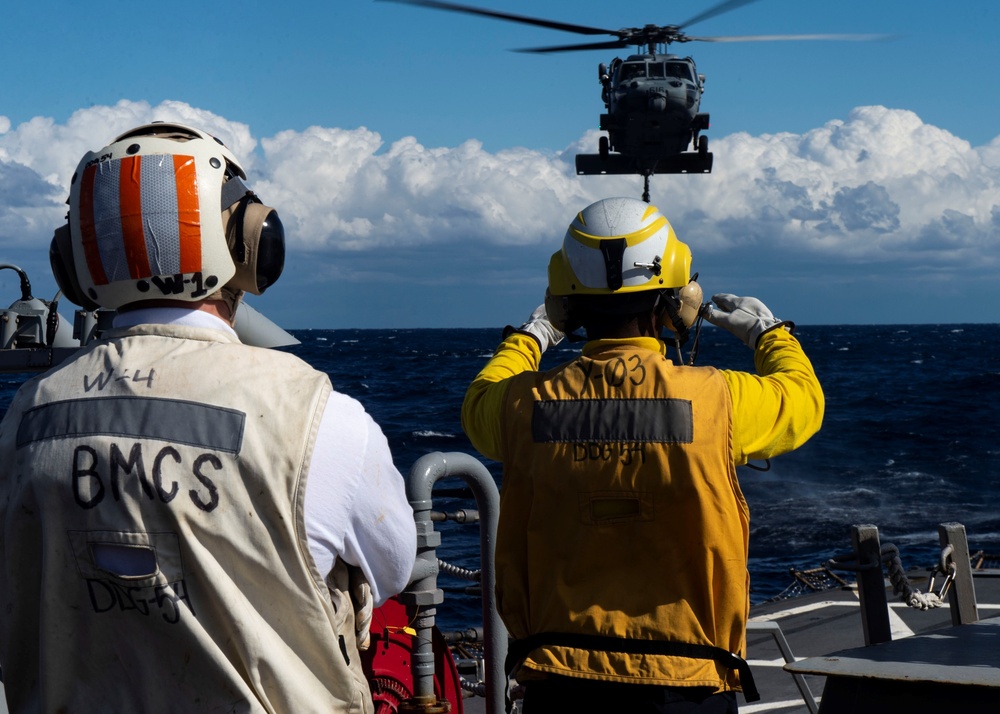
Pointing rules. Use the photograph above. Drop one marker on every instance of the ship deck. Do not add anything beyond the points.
(815, 624)
(820, 623)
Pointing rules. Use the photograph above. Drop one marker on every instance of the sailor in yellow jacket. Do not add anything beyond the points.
(622, 546)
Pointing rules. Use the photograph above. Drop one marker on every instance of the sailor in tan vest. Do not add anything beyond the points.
(185, 517)
(621, 554)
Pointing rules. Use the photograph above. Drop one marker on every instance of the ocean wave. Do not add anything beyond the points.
(431, 434)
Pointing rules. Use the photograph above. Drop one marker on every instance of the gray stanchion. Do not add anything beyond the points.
(423, 592)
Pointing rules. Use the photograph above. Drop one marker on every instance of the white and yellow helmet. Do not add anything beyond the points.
(619, 246)
(150, 217)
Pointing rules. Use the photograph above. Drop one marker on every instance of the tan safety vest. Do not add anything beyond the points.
(154, 552)
(630, 524)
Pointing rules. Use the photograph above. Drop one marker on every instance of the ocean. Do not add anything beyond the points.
(911, 436)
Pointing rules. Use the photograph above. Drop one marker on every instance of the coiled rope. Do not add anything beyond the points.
(889, 556)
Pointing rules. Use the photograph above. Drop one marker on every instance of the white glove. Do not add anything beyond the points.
(539, 327)
(746, 317)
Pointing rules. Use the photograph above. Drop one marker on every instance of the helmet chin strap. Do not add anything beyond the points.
(680, 329)
(231, 298)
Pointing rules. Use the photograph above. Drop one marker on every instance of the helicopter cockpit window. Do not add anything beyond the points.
(655, 71)
(681, 70)
(632, 70)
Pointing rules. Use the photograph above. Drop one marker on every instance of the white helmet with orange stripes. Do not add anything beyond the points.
(162, 213)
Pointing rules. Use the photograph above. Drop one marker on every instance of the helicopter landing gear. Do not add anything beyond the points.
(603, 147)
(645, 187)
(702, 145)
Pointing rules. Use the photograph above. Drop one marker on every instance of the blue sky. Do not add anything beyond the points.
(424, 171)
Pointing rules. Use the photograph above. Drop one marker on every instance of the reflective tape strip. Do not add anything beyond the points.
(160, 232)
(188, 214)
(133, 235)
(664, 421)
(108, 220)
(140, 216)
(170, 420)
(87, 228)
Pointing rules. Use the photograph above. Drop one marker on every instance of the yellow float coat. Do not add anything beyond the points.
(621, 514)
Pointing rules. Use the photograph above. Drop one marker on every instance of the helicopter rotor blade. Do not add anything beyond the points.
(637, 36)
(609, 45)
(779, 38)
(721, 8)
(524, 19)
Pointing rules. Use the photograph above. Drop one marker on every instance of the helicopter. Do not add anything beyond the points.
(652, 99)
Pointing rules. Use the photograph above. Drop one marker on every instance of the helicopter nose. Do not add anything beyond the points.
(657, 103)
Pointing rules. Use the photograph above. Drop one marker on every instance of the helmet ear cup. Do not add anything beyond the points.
(270, 251)
(256, 239)
(691, 296)
(64, 269)
(681, 311)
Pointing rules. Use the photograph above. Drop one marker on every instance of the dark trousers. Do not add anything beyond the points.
(579, 696)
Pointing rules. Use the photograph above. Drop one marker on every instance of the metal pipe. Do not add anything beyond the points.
(423, 591)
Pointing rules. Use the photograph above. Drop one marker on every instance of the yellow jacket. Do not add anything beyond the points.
(621, 514)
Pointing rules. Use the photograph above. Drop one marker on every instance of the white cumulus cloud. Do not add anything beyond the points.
(876, 186)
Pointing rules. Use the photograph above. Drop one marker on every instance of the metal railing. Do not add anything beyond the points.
(423, 593)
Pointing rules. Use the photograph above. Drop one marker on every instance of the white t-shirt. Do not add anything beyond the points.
(355, 503)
